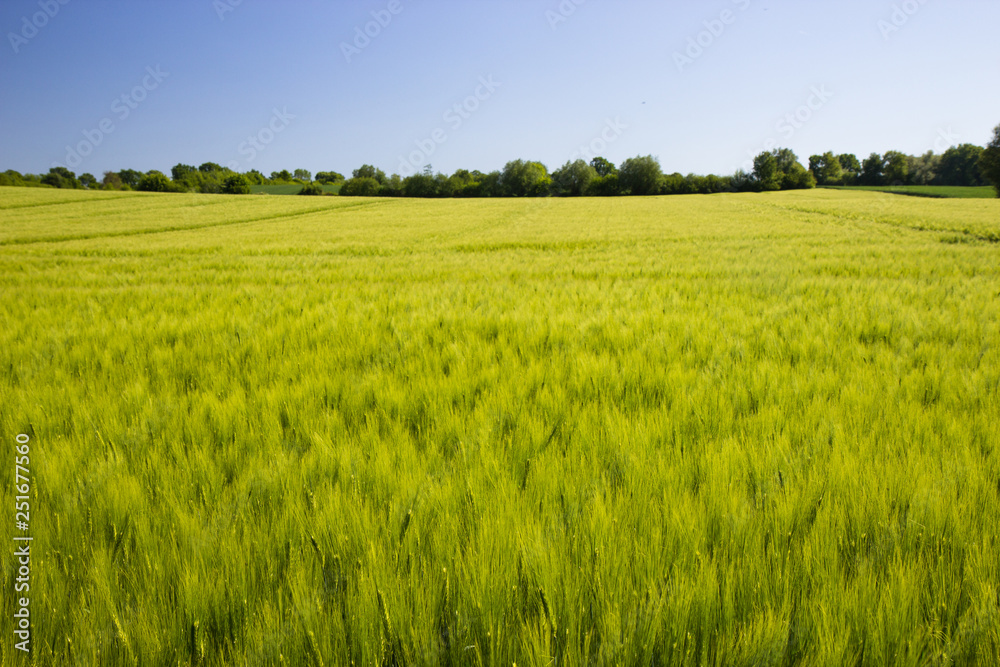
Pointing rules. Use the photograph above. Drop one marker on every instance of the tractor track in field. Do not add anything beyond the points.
(59, 203)
(186, 228)
(894, 223)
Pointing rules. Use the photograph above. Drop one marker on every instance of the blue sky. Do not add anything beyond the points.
(269, 85)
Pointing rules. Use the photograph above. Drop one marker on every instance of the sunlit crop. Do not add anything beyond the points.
(727, 430)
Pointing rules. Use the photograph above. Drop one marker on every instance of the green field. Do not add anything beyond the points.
(724, 430)
(291, 189)
(934, 191)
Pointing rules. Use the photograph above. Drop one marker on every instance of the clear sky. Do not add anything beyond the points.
(270, 85)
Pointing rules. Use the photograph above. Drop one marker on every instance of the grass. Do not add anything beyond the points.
(291, 189)
(728, 430)
(935, 191)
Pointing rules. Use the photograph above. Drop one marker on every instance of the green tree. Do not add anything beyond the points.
(696, 185)
(923, 169)
(88, 180)
(640, 176)
(797, 178)
(54, 180)
(444, 186)
(851, 167)
(392, 187)
(155, 181)
(816, 164)
(327, 177)
(61, 177)
(785, 158)
(236, 184)
(181, 172)
(312, 189)
(420, 185)
(603, 166)
(368, 171)
(302, 175)
(715, 184)
(112, 181)
(896, 168)
(826, 169)
(766, 173)
(989, 161)
(283, 176)
(212, 182)
(465, 183)
(573, 179)
(525, 179)
(741, 181)
(254, 177)
(12, 178)
(362, 186)
(604, 186)
(960, 166)
(130, 177)
(209, 167)
(678, 184)
(490, 184)
(872, 170)
(780, 169)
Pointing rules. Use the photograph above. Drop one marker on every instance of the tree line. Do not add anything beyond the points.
(640, 176)
(209, 178)
(779, 169)
(963, 165)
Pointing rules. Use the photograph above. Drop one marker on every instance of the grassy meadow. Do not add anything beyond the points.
(693, 430)
(291, 188)
(936, 191)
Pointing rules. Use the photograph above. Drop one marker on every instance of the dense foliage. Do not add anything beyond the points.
(966, 165)
(989, 161)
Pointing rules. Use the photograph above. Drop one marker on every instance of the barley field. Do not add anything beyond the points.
(936, 191)
(706, 430)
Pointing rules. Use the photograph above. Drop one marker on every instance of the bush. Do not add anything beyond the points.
(989, 161)
(525, 179)
(573, 179)
(327, 177)
(12, 178)
(420, 185)
(364, 186)
(312, 189)
(674, 184)
(111, 181)
(778, 170)
(156, 181)
(640, 176)
(236, 184)
(798, 178)
(603, 186)
(741, 181)
(61, 177)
